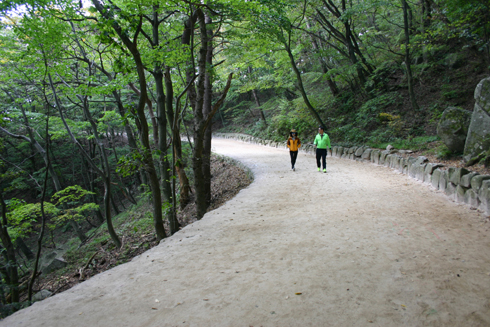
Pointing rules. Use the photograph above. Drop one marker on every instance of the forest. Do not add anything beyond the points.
(106, 105)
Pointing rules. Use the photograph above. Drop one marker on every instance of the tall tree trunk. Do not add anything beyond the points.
(299, 80)
(11, 275)
(207, 103)
(257, 101)
(147, 159)
(19, 242)
(44, 154)
(411, 93)
(104, 173)
(196, 95)
(41, 232)
(175, 132)
(164, 105)
(331, 84)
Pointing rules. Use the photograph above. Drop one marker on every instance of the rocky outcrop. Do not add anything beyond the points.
(478, 139)
(453, 128)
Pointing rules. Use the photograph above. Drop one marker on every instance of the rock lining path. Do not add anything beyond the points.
(359, 246)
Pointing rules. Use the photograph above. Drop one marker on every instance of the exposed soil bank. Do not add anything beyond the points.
(360, 245)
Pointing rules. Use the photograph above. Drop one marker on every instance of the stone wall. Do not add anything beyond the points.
(459, 184)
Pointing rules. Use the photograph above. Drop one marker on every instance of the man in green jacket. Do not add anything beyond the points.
(322, 143)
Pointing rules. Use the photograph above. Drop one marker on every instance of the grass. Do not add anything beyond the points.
(419, 143)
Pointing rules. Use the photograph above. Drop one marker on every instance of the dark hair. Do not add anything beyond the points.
(321, 127)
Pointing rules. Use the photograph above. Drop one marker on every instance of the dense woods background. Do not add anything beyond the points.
(109, 106)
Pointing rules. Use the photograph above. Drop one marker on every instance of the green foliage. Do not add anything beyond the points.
(22, 217)
(129, 164)
(73, 203)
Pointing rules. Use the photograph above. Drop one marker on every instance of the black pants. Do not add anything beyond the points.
(293, 155)
(321, 153)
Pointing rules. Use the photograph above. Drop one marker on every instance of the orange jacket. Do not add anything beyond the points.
(294, 145)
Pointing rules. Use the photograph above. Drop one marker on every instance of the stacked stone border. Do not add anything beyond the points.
(459, 184)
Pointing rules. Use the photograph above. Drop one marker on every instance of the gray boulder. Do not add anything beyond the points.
(453, 128)
(41, 295)
(435, 178)
(429, 170)
(366, 155)
(478, 139)
(455, 174)
(466, 179)
(55, 264)
(477, 181)
(375, 156)
(471, 198)
(484, 196)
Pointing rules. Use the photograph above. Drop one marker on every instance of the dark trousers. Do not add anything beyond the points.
(321, 153)
(293, 155)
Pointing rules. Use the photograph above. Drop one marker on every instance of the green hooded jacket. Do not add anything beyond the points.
(322, 141)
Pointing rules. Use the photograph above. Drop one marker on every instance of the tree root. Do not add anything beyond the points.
(87, 264)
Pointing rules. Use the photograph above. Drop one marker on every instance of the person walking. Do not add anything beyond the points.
(322, 143)
(294, 143)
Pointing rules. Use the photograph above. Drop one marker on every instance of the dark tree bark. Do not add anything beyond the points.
(197, 97)
(207, 103)
(411, 93)
(299, 79)
(11, 275)
(347, 38)
(331, 84)
(257, 101)
(146, 152)
(105, 175)
(164, 104)
(19, 242)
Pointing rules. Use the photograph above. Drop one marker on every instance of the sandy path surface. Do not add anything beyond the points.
(359, 246)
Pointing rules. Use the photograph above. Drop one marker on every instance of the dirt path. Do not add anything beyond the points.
(361, 245)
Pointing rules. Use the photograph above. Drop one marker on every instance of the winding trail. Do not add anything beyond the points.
(359, 246)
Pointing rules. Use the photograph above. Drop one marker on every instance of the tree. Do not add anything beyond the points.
(73, 206)
(276, 27)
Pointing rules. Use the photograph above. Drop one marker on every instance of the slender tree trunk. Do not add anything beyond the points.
(146, 151)
(164, 163)
(164, 105)
(207, 103)
(19, 242)
(301, 88)
(411, 93)
(257, 101)
(12, 276)
(104, 174)
(41, 233)
(331, 84)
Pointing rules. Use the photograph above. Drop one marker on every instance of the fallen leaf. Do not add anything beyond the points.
(299, 293)
(205, 299)
(154, 308)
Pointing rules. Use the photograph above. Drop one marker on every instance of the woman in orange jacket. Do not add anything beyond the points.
(294, 143)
